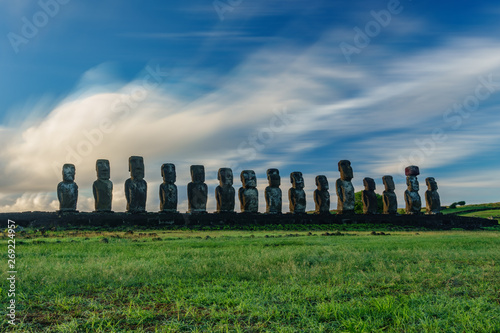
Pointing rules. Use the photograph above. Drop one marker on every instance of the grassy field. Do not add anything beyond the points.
(274, 281)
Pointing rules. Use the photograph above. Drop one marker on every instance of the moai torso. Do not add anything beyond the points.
(168, 189)
(273, 192)
(197, 190)
(389, 197)
(103, 187)
(248, 194)
(345, 190)
(67, 190)
(369, 197)
(433, 202)
(296, 194)
(322, 196)
(412, 198)
(136, 188)
(224, 193)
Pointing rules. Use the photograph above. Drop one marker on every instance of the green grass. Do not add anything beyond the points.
(237, 281)
(459, 209)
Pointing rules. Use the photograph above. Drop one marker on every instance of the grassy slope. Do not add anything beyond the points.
(431, 281)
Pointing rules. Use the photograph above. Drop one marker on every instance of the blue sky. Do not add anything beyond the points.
(297, 85)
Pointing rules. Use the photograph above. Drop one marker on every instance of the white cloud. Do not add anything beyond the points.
(384, 108)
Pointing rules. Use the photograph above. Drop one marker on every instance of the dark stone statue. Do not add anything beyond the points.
(433, 202)
(67, 190)
(168, 189)
(103, 187)
(412, 198)
(322, 196)
(197, 190)
(136, 188)
(224, 193)
(345, 190)
(296, 194)
(389, 197)
(273, 192)
(248, 194)
(369, 197)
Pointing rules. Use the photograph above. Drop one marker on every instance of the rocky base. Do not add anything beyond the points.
(164, 220)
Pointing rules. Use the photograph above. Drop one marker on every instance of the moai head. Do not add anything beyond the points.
(389, 183)
(322, 183)
(197, 173)
(248, 179)
(273, 176)
(345, 170)
(412, 170)
(102, 168)
(297, 180)
(431, 184)
(68, 173)
(225, 177)
(369, 184)
(136, 167)
(412, 183)
(168, 173)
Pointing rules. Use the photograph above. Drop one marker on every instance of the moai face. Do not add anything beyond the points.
(273, 176)
(369, 184)
(197, 173)
(225, 177)
(68, 173)
(102, 168)
(136, 167)
(297, 180)
(345, 170)
(389, 183)
(412, 183)
(322, 183)
(248, 179)
(431, 184)
(168, 173)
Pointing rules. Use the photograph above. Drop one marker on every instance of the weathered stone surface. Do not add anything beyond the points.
(168, 189)
(103, 187)
(248, 194)
(369, 197)
(412, 170)
(432, 200)
(389, 197)
(67, 190)
(296, 194)
(136, 188)
(412, 198)
(197, 190)
(322, 196)
(345, 190)
(224, 193)
(273, 192)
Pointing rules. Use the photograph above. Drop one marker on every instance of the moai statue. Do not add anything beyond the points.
(322, 196)
(412, 198)
(168, 189)
(296, 194)
(103, 187)
(432, 200)
(197, 190)
(345, 190)
(369, 197)
(224, 193)
(389, 197)
(136, 188)
(273, 192)
(67, 190)
(248, 194)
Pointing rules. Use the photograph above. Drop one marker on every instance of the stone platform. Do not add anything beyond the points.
(176, 220)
